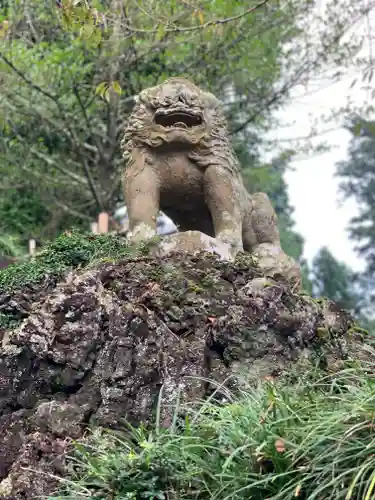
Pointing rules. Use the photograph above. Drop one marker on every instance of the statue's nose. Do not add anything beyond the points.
(184, 96)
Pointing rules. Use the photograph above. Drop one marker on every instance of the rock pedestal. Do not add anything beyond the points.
(100, 345)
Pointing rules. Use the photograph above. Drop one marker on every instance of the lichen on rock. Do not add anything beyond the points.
(104, 342)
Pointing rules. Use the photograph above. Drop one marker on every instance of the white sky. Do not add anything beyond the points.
(313, 190)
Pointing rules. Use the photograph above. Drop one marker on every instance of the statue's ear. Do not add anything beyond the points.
(136, 99)
(148, 97)
(142, 96)
(210, 101)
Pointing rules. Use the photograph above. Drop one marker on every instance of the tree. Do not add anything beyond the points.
(62, 139)
(336, 281)
(49, 74)
(357, 180)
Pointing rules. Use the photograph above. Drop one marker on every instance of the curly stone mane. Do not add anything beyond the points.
(209, 143)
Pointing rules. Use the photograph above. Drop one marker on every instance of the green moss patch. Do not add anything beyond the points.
(70, 250)
(25, 282)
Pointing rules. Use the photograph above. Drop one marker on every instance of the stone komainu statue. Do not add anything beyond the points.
(179, 159)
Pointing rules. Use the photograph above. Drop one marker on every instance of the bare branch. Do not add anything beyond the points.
(49, 160)
(71, 211)
(87, 121)
(27, 80)
(212, 22)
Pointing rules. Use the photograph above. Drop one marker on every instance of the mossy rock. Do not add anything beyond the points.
(93, 330)
(26, 281)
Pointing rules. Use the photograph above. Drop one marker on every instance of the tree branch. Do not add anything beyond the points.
(71, 211)
(62, 113)
(27, 80)
(213, 22)
(48, 159)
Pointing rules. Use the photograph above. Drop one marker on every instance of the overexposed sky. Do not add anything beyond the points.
(313, 192)
(313, 189)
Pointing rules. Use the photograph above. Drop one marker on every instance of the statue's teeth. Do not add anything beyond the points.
(180, 124)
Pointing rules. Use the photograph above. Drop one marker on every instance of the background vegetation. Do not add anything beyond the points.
(309, 439)
(69, 71)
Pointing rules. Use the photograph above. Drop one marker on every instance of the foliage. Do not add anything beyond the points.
(10, 246)
(309, 439)
(21, 207)
(70, 250)
(59, 132)
(336, 281)
(269, 178)
(357, 180)
(353, 291)
(70, 70)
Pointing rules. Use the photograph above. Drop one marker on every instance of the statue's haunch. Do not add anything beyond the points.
(179, 159)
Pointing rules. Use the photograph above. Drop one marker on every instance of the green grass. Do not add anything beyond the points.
(311, 440)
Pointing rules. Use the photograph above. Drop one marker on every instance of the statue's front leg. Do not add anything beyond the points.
(142, 193)
(222, 195)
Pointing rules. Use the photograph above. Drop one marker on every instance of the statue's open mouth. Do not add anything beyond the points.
(180, 119)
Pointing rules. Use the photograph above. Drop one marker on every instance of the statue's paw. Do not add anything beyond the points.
(142, 232)
(231, 241)
(193, 242)
(275, 263)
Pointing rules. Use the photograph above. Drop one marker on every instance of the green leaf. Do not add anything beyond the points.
(160, 32)
(116, 87)
(98, 6)
(101, 89)
(357, 129)
(95, 38)
(86, 31)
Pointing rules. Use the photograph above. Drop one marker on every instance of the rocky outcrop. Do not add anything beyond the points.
(101, 344)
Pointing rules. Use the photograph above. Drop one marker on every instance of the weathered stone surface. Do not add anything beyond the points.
(99, 346)
(275, 263)
(193, 242)
(179, 159)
